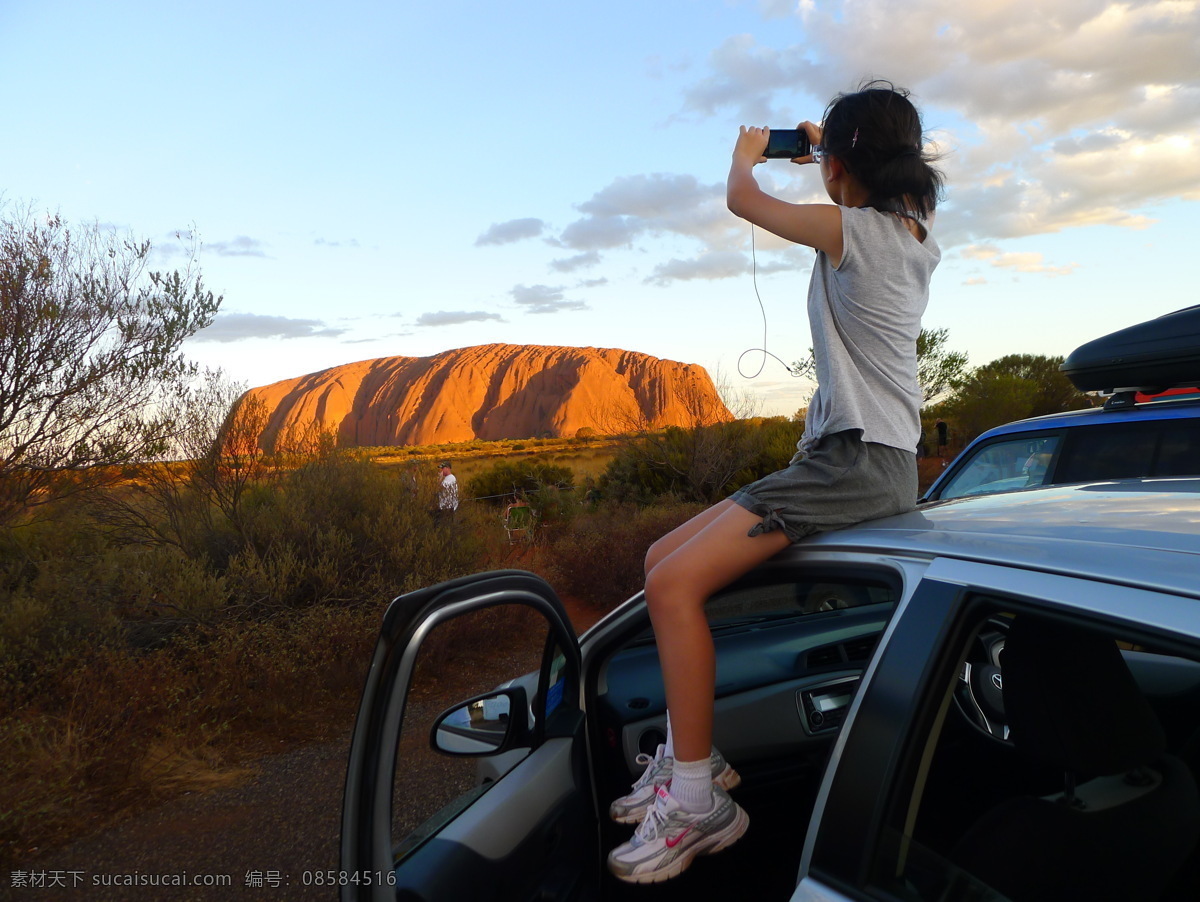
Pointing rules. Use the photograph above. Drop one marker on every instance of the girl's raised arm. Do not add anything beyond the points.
(814, 225)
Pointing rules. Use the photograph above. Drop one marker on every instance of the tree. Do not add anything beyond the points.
(213, 461)
(938, 368)
(1013, 387)
(89, 355)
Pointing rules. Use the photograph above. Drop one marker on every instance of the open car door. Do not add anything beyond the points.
(468, 775)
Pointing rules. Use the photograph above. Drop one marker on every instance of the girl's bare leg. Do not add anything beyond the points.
(680, 534)
(712, 554)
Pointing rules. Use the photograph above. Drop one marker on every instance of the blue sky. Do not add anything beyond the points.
(371, 179)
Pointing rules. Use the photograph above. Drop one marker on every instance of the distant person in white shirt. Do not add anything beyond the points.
(447, 491)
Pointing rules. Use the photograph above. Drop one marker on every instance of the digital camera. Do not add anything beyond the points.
(787, 143)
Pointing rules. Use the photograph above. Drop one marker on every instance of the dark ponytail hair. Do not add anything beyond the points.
(876, 133)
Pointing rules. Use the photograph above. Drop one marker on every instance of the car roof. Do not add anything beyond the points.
(1181, 407)
(1143, 532)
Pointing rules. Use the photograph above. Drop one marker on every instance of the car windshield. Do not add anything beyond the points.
(1004, 465)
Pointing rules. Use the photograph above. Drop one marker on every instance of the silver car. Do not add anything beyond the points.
(987, 698)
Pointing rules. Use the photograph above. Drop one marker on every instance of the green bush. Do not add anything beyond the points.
(66, 584)
(340, 530)
(334, 531)
(131, 668)
(703, 464)
(504, 480)
(599, 558)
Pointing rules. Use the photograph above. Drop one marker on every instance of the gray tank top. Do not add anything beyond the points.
(865, 316)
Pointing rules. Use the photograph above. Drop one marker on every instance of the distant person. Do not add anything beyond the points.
(447, 491)
(856, 460)
(943, 434)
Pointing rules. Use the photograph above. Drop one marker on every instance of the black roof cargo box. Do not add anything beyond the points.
(1155, 355)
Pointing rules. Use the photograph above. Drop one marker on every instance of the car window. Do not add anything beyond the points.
(1179, 450)
(1129, 450)
(1041, 761)
(819, 593)
(1112, 452)
(462, 657)
(1004, 465)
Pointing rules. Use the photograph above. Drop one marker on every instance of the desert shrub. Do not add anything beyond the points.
(335, 530)
(503, 480)
(702, 464)
(341, 530)
(555, 506)
(599, 558)
(67, 585)
(132, 670)
(105, 728)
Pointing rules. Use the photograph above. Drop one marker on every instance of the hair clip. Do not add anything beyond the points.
(854, 140)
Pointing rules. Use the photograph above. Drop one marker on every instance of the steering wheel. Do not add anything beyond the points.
(980, 690)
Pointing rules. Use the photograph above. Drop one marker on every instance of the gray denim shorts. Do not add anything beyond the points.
(841, 481)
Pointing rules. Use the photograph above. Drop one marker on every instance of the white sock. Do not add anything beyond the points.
(692, 785)
(669, 751)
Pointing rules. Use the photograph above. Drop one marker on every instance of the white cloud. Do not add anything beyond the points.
(456, 317)
(544, 299)
(658, 203)
(1077, 112)
(241, 246)
(1049, 116)
(711, 265)
(631, 207)
(510, 231)
(746, 75)
(227, 327)
(579, 261)
(600, 233)
(1026, 262)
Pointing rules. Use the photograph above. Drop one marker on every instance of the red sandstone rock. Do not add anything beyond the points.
(492, 392)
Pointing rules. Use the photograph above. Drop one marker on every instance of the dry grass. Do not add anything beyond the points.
(586, 459)
(105, 731)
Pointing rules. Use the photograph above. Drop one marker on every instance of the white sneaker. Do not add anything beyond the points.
(669, 838)
(631, 808)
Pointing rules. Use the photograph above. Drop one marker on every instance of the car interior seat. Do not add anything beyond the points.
(1128, 815)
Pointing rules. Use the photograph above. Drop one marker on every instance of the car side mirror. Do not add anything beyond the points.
(484, 725)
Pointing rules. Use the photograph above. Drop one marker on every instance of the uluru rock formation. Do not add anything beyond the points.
(491, 392)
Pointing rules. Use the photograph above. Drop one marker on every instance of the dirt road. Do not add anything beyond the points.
(262, 840)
